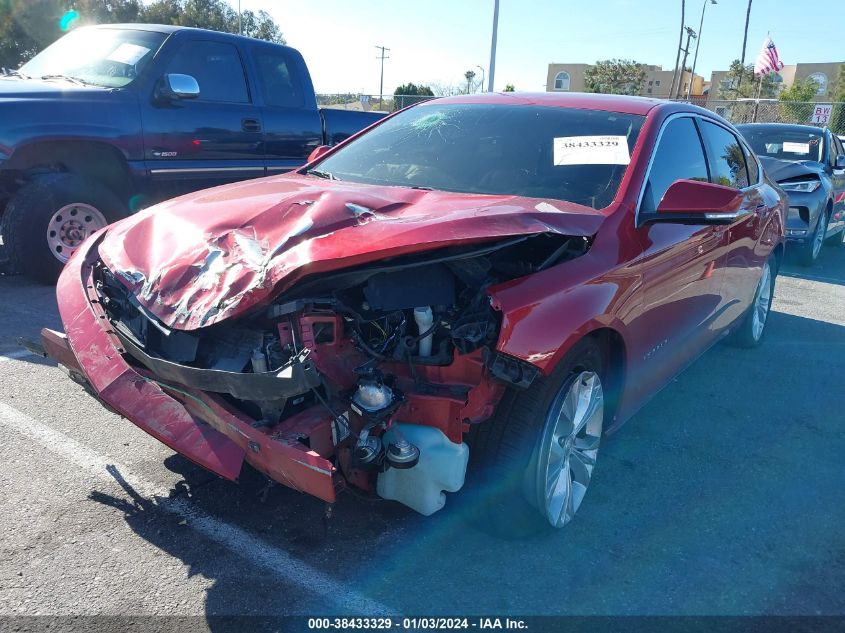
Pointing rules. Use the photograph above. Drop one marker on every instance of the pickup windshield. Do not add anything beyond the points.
(524, 150)
(110, 58)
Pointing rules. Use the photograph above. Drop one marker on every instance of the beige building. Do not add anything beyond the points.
(824, 74)
(570, 78)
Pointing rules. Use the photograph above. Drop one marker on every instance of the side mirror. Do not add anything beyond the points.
(840, 162)
(318, 152)
(697, 202)
(177, 86)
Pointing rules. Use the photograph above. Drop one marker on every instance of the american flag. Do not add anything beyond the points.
(768, 60)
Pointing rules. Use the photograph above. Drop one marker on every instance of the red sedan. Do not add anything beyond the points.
(502, 277)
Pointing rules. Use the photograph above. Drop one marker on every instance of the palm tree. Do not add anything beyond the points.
(744, 41)
(470, 75)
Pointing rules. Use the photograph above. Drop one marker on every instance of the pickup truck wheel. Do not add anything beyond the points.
(49, 219)
(750, 332)
(533, 461)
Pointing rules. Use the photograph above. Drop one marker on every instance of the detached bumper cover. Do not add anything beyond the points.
(191, 422)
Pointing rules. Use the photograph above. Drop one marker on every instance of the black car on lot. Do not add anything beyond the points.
(809, 164)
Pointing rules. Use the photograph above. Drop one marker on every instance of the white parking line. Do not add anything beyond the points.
(16, 355)
(233, 538)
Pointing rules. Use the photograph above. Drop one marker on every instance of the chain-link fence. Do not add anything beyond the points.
(735, 111)
(368, 103)
(775, 111)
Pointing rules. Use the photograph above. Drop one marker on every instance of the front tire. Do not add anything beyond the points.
(531, 464)
(49, 218)
(811, 250)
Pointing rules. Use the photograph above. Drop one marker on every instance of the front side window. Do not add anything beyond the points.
(217, 68)
(679, 156)
(727, 160)
(111, 58)
(541, 152)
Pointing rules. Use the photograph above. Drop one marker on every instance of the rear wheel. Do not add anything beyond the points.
(753, 327)
(47, 221)
(533, 461)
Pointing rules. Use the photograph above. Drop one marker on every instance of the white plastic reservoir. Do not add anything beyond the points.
(442, 467)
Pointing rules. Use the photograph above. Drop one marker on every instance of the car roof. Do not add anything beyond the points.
(583, 100)
(169, 29)
(794, 127)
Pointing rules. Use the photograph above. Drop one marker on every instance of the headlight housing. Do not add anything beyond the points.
(802, 186)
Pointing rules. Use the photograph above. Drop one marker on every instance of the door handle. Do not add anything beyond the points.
(250, 125)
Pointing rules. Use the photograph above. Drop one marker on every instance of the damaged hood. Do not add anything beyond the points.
(199, 259)
(780, 170)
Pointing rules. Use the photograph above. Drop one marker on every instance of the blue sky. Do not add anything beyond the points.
(439, 40)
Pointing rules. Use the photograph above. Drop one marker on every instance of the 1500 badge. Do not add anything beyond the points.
(158, 154)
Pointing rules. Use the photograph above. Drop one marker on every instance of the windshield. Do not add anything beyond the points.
(784, 143)
(111, 58)
(540, 152)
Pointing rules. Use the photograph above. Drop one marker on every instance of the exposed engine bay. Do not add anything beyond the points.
(380, 369)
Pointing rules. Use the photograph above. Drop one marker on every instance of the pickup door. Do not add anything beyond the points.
(292, 123)
(191, 144)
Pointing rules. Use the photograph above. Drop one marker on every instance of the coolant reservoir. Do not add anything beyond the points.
(442, 467)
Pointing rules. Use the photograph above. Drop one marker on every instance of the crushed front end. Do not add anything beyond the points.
(367, 376)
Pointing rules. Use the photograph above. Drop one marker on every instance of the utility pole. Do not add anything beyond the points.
(240, 31)
(744, 42)
(697, 44)
(690, 34)
(678, 54)
(493, 47)
(382, 57)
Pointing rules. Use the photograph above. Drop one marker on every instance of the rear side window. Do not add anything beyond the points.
(217, 68)
(727, 160)
(279, 83)
(678, 156)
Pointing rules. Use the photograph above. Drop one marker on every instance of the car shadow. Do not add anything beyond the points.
(727, 473)
(829, 268)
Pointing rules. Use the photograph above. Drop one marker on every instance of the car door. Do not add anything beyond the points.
(731, 164)
(837, 176)
(292, 124)
(681, 292)
(215, 138)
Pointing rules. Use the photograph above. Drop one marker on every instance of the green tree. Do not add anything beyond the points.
(410, 93)
(510, 88)
(615, 76)
(748, 83)
(796, 101)
(29, 26)
(837, 93)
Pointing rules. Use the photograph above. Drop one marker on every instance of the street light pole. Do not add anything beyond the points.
(240, 32)
(493, 47)
(482, 77)
(697, 44)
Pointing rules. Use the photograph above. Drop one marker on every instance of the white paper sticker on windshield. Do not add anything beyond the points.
(796, 148)
(128, 53)
(591, 150)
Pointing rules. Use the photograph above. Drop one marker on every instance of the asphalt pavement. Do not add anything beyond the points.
(725, 495)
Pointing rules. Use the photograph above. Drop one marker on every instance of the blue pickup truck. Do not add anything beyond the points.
(110, 119)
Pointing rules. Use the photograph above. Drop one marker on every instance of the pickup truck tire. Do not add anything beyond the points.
(515, 455)
(49, 218)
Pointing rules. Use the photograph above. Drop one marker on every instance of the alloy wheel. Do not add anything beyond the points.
(569, 447)
(818, 236)
(762, 302)
(70, 226)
